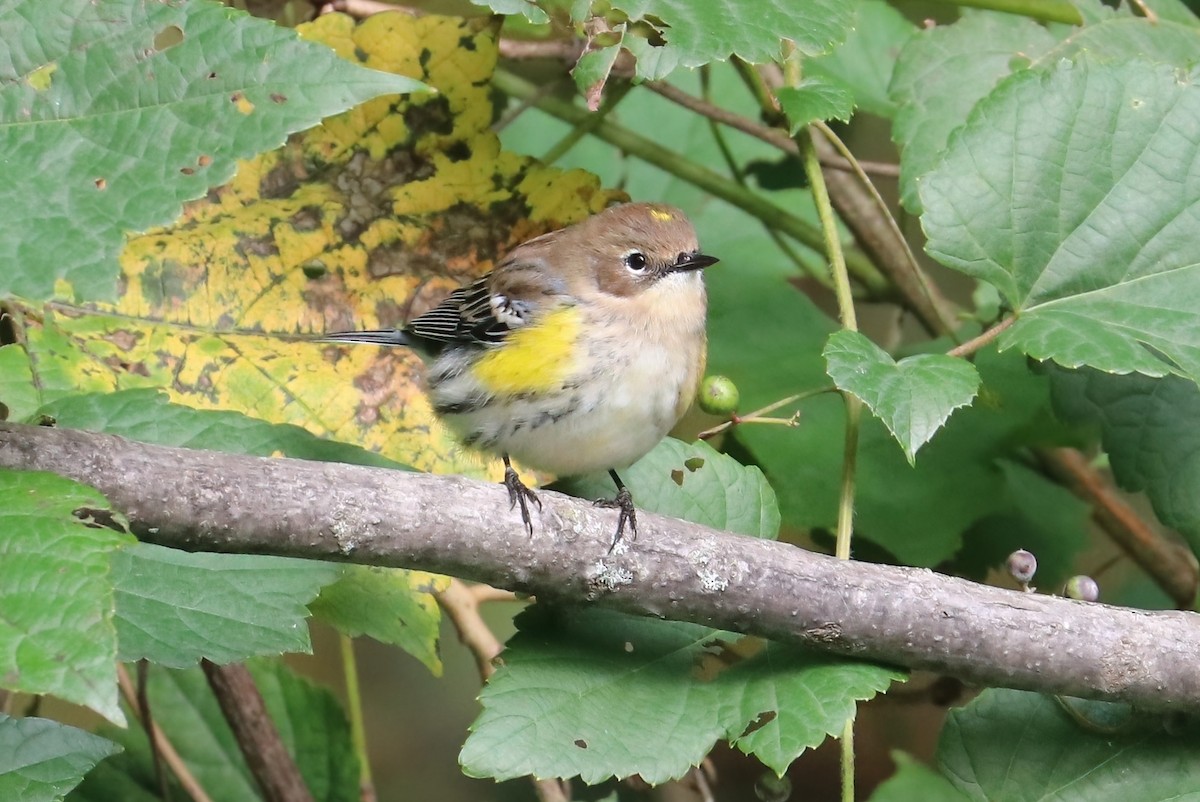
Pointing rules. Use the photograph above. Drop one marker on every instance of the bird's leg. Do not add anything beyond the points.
(623, 502)
(518, 493)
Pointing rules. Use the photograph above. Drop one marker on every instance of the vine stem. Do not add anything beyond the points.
(849, 319)
(907, 261)
(1044, 10)
(976, 343)
(757, 416)
(358, 729)
(171, 757)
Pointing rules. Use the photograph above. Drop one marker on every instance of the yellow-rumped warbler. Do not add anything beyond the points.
(578, 353)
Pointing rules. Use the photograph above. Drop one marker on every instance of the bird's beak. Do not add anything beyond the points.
(692, 261)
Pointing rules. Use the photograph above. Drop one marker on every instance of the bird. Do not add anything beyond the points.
(576, 354)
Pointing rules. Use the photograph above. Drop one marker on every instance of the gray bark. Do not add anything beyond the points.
(201, 500)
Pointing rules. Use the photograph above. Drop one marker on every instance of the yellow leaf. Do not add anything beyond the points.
(362, 222)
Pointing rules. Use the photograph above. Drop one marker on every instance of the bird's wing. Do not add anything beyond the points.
(484, 312)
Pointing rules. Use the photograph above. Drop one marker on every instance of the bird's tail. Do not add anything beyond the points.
(371, 337)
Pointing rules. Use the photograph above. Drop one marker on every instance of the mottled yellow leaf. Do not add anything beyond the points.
(361, 222)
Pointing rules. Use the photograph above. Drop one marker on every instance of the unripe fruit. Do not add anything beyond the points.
(1022, 565)
(770, 788)
(1083, 588)
(718, 396)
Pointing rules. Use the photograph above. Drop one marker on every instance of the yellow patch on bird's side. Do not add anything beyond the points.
(533, 359)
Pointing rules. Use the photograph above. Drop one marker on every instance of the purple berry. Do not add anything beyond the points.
(1022, 565)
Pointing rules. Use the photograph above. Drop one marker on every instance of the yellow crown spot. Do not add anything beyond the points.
(659, 214)
(533, 359)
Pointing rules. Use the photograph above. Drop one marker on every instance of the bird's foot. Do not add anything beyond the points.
(518, 493)
(624, 503)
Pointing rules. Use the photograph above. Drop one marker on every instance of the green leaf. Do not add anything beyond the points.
(56, 630)
(1090, 238)
(942, 73)
(1017, 745)
(863, 64)
(1148, 427)
(578, 685)
(527, 8)
(700, 33)
(42, 759)
(147, 415)
(694, 482)
(111, 122)
(391, 605)
(1127, 38)
(913, 397)
(815, 99)
(592, 69)
(17, 388)
(174, 608)
(309, 720)
(917, 512)
(915, 782)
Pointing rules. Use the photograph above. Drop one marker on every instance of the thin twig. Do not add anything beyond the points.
(460, 603)
(1147, 12)
(772, 136)
(461, 606)
(270, 763)
(1171, 566)
(849, 321)
(486, 593)
(867, 214)
(616, 94)
(567, 50)
(354, 708)
(1043, 10)
(817, 272)
(143, 704)
(163, 744)
(976, 343)
(366, 8)
(530, 100)
(757, 416)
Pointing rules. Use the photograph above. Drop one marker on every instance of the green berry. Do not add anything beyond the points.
(770, 788)
(718, 396)
(1083, 588)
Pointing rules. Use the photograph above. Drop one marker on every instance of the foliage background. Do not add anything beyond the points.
(194, 334)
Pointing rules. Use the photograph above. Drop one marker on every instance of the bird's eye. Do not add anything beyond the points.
(635, 261)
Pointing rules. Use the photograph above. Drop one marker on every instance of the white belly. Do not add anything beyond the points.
(610, 421)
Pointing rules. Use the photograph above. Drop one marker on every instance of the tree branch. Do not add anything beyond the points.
(272, 766)
(907, 616)
(1169, 564)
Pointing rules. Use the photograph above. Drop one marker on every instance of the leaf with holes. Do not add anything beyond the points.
(56, 631)
(578, 685)
(114, 120)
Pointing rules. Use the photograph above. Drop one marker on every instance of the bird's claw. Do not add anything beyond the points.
(518, 493)
(623, 502)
